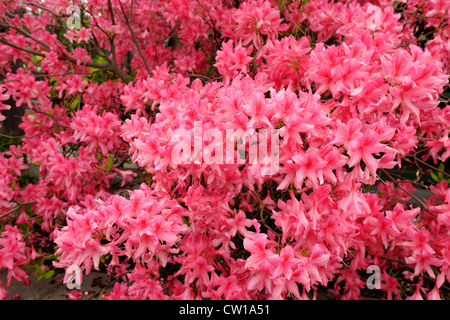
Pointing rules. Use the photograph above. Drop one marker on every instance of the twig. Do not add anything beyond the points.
(433, 139)
(261, 216)
(430, 166)
(28, 35)
(396, 261)
(10, 137)
(403, 262)
(15, 46)
(135, 41)
(43, 8)
(111, 38)
(19, 205)
(63, 57)
(421, 203)
(110, 66)
(53, 118)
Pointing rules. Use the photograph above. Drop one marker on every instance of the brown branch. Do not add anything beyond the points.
(28, 35)
(430, 166)
(15, 46)
(135, 40)
(110, 66)
(432, 139)
(62, 57)
(44, 8)
(421, 203)
(111, 38)
(261, 216)
(396, 261)
(10, 137)
(53, 118)
(19, 205)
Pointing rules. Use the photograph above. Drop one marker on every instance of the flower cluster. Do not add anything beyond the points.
(353, 92)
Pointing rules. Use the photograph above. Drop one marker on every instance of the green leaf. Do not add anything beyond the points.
(38, 269)
(75, 102)
(434, 176)
(186, 221)
(440, 174)
(49, 274)
(109, 163)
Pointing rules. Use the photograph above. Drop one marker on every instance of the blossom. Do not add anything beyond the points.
(258, 250)
(75, 295)
(363, 148)
(231, 60)
(309, 165)
(351, 90)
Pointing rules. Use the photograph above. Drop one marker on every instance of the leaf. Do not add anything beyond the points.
(109, 163)
(75, 102)
(186, 221)
(440, 174)
(40, 261)
(37, 267)
(434, 176)
(49, 274)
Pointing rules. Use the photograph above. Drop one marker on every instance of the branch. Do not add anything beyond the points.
(261, 215)
(433, 139)
(28, 35)
(430, 166)
(135, 40)
(44, 8)
(19, 205)
(110, 66)
(111, 38)
(62, 57)
(15, 46)
(53, 118)
(396, 261)
(421, 203)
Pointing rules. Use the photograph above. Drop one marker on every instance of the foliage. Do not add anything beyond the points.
(356, 91)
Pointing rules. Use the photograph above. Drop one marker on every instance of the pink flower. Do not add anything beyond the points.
(119, 292)
(285, 263)
(401, 219)
(423, 261)
(74, 295)
(13, 254)
(339, 69)
(229, 288)
(309, 165)
(363, 148)
(3, 292)
(232, 61)
(417, 295)
(259, 110)
(257, 247)
(434, 294)
(239, 224)
(3, 97)
(256, 18)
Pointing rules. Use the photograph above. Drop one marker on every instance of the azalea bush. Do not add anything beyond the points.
(356, 93)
